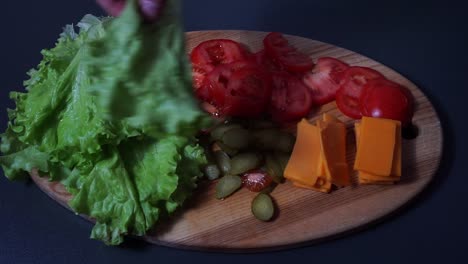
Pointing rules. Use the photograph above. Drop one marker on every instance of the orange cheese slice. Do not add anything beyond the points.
(362, 181)
(330, 118)
(333, 147)
(376, 147)
(396, 166)
(318, 159)
(326, 188)
(304, 164)
(369, 178)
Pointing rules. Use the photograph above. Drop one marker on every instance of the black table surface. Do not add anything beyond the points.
(424, 40)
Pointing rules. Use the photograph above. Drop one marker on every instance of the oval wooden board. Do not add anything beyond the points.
(304, 215)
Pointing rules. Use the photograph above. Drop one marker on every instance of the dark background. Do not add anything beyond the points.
(424, 40)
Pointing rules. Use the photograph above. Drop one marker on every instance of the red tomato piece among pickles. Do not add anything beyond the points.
(324, 81)
(256, 180)
(382, 98)
(347, 97)
(290, 98)
(282, 52)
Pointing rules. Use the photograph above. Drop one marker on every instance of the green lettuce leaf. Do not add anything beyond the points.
(108, 194)
(141, 73)
(109, 113)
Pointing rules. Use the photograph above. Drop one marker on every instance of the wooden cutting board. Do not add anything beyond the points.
(304, 215)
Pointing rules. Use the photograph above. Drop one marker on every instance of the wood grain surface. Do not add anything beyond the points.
(304, 215)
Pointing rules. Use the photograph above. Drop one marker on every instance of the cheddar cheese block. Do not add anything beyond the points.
(304, 165)
(371, 177)
(366, 182)
(333, 147)
(325, 188)
(396, 166)
(331, 118)
(366, 177)
(376, 147)
(318, 159)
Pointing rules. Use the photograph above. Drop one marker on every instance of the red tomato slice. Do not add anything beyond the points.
(361, 75)
(325, 79)
(290, 98)
(218, 79)
(347, 97)
(199, 74)
(348, 104)
(209, 109)
(266, 62)
(256, 180)
(239, 89)
(278, 48)
(204, 92)
(218, 51)
(386, 99)
(248, 93)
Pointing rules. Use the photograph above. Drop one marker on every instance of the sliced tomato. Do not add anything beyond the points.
(290, 98)
(256, 180)
(218, 51)
(210, 109)
(347, 97)
(282, 52)
(204, 92)
(218, 79)
(361, 75)
(324, 81)
(199, 74)
(266, 62)
(239, 89)
(248, 93)
(383, 98)
(348, 104)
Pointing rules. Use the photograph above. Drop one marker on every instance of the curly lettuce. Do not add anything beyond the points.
(109, 113)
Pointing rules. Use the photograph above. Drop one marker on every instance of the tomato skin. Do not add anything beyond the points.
(218, 51)
(290, 98)
(383, 98)
(285, 55)
(324, 81)
(256, 180)
(349, 93)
